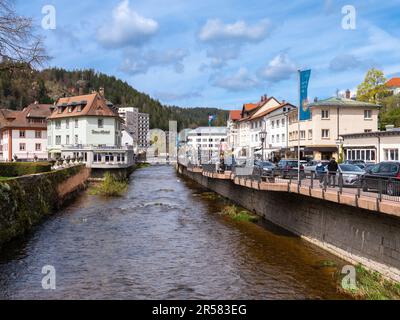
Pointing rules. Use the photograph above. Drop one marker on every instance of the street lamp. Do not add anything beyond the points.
(263, 136)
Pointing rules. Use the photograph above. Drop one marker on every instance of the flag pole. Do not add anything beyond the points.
(298, 129)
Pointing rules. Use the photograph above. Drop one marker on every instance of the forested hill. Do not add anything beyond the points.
(20, 87)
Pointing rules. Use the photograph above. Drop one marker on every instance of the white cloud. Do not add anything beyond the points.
(278, 69)
(216, 30)
(127, 28)
(225, 41)
(240, 81)
(137, 61)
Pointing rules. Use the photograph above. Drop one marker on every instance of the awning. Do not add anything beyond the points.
(320, 149)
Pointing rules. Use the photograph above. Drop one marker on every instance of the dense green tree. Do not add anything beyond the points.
(372, 89)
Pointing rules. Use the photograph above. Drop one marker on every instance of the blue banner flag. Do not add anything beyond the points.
(305, 113)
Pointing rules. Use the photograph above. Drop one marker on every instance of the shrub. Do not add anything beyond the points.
(16, 169)
(112, 186)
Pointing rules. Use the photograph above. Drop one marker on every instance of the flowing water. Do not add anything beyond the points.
(163, 240)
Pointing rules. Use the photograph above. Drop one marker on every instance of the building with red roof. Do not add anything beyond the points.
(394, 85)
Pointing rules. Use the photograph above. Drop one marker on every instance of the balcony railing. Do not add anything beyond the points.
(92, 147)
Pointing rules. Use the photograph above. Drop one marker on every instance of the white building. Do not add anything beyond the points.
(23, 134)
(88, 127)
(374, 146)
(204, 142)
(394, 85)
(143, 130)
(130, 115)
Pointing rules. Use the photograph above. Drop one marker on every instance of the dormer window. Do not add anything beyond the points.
(79, 108)
(69, 109)
(59, 109)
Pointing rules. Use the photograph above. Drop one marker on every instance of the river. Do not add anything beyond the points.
(163, 240)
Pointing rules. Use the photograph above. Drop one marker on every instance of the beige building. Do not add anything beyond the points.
(330, 119)
(373, 147)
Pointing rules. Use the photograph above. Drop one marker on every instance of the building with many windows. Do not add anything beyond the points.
(373, 146)
(203, 143)
(130, 115)
(23, 134)
(143, 130)
(330, 119)
(89, 127)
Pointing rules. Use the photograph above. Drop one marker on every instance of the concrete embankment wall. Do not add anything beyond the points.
(356, 235)
(24, 201)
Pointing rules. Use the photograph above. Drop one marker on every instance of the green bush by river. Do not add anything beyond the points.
(17, 169)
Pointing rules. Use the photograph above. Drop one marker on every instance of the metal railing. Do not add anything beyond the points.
(377, 187)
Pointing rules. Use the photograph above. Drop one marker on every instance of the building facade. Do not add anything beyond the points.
(130, 115)
(203, 143)
(143, 130)
(393, 85)
(23, 134)
(88, 127)
(330, 119)
(373, 147)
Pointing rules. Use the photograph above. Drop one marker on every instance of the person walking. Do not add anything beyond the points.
(320, 173)
(332, 171)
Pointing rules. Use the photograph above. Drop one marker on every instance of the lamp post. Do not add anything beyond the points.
(263, 136)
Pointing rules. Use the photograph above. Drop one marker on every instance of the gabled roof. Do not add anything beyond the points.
(268, 111)
(26, 118)
(91, 105)
(393, 83)
(339, 101)
(235, 115)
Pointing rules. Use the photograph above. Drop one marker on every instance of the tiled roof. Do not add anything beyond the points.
(87, 105)
(393, 83)
(235, 115)
(338, 101)
(26, 118)
(250, 106)
(271, 110)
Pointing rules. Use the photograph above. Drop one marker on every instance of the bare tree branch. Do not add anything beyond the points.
(19, 45)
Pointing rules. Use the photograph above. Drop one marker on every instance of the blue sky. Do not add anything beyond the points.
(223, 53)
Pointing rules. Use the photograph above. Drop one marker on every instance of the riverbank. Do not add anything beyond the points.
(26, 200)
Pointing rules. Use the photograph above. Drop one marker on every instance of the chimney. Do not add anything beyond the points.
(265, 97)
(101, 92)
(283, 101)
(262, 98)
(348, 94)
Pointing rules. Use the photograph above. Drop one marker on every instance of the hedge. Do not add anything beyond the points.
(17, 169)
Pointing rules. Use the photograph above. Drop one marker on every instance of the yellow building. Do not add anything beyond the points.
(330, 118)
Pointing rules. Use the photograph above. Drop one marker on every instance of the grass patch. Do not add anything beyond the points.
(238, 214)
(142, 165)
(210, 195)
(112, 186)
(371, 285)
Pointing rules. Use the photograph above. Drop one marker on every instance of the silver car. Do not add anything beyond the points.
(351, 174)
(310, 166)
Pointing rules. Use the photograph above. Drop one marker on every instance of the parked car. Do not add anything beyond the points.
(267, 167)
(384, 176)
(310, 166)
(350, 174)
(289, 167)
(359, 163)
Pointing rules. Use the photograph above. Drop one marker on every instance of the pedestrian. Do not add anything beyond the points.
(320, 173)
(332, 171)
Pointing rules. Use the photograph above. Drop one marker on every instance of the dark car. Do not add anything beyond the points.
(267, 168)
(384, 177)
(289, 167)
(359, 163)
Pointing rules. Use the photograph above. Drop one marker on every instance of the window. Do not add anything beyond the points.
(277, 138)
(324, 114)
(76, 139)
(58, 124)
(67, 123)
(22, 147)
(79, 108)
(277, 123)
(283, 122)
(273, 139)
(391, 154)
(69, 109)
(76, 123)
(272, 124)
(361, 154)
(22, 133)
(309, 134)
(283, 138)
(325, 134)
(38, 134)
(38, 147)
(367, 114)
(100, 123)
(58, 140)
(302, 134)
(67, 139)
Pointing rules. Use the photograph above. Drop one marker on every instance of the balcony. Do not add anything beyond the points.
(88, 147)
